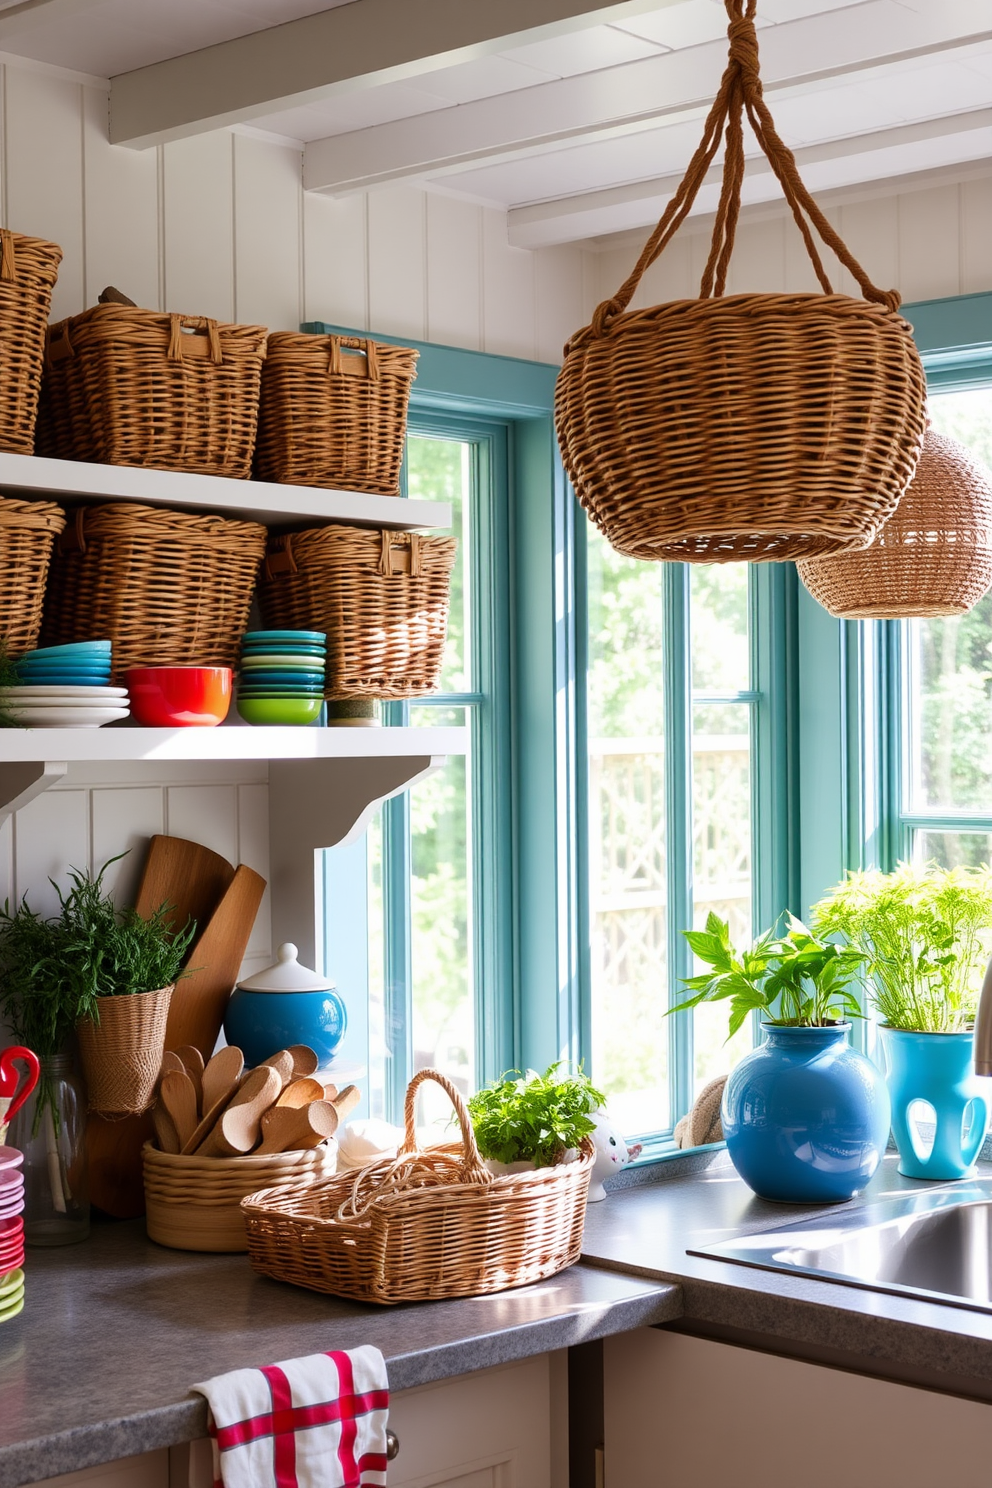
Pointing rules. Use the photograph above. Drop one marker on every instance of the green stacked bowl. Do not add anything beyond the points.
(281, 677)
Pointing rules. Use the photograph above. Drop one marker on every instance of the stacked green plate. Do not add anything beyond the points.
(281, 678)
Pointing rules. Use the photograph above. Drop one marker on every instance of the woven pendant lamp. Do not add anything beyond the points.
(751, 426)
(933, 557)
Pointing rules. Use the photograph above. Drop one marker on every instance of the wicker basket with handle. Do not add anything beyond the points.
(168, 588)
(28, 270)
(194, 1203)
(427, 1224)
(333, 412)
(932, 558)
(125, 386)
(380, 597)
(27, 531)
(757, 426)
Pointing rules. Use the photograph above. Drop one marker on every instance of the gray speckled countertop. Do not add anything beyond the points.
(646, 1230)
(115, 1330)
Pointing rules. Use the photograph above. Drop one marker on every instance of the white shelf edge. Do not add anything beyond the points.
(233, 743)
(253, 501)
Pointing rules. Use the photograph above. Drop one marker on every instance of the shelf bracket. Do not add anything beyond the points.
(22, 780)
(320, 803)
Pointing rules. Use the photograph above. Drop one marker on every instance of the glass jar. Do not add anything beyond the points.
(50, 1129)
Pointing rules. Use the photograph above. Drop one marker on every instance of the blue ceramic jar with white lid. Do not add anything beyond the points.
(283, 1005)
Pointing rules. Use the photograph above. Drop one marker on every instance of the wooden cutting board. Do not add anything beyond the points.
(198, 1003)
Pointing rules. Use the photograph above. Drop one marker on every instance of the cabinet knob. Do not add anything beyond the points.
(392, 1446)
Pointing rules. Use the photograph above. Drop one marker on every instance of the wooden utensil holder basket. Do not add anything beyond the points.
(194, 1203)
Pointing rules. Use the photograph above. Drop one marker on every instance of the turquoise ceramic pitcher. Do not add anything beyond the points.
(937, 1068)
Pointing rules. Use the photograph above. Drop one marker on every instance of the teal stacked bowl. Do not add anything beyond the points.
(281, 677)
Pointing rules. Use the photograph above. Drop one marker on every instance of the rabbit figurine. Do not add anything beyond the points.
(612, 1154)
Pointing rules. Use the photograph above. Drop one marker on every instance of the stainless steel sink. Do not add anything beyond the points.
(935, 1244)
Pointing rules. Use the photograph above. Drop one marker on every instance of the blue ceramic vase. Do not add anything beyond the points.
(805, 1116)
(938, 1068)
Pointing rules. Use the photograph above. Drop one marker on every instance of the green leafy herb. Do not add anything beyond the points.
(533, 1117)
(795, 979)
(924, 934)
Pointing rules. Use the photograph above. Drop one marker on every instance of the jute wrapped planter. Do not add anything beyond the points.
(122, 1054)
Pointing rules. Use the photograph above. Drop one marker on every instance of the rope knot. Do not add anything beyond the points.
(744, 51)
(602, 316)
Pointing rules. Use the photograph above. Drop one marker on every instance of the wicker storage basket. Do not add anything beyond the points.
(122, 1054)
(27, 532)
(125, 386)
(760, 426)
(333, 412)
(424, 1225)
(933, 557)
(381, 598)
(168, 588)
(194, 1203)
(28, 270)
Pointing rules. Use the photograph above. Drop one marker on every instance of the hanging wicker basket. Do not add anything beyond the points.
(932, 558)
(756, 426)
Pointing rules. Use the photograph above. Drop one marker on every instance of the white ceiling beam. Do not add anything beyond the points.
(617, 100)
(356, 45)
(831, 165)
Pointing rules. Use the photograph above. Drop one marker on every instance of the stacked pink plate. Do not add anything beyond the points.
(11, 1233)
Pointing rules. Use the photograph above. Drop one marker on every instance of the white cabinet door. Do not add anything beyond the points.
(491, 1429)
(149, 1470)
(687, 1413)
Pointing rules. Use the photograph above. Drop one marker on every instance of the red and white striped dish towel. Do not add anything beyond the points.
(317, 1422)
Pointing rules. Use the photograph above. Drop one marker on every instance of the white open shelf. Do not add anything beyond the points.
(253, 501)
(236, 743)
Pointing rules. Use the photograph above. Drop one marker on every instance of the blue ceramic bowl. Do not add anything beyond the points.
(261, 1023)
(293, 679)
(73, 649)
(312, 637)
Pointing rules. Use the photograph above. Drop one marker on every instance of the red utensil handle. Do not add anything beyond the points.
(10, 1077)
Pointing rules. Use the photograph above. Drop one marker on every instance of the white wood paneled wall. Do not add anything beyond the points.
(927, 244)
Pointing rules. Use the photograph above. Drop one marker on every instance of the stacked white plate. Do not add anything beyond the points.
(56, 705)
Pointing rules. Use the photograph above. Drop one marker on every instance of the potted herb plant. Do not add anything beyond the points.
(805, 1116)
(923, 934)
(532, 1120)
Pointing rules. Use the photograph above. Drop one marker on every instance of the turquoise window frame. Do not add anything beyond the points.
(534, 903)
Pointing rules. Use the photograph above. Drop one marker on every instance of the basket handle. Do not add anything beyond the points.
(740, 93)
(72, 539)
(354, 343)
(393, 559)
(180, 323)
(473, 1167)
(8, 255)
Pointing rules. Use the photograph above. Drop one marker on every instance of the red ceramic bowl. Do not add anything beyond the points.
(179, 697)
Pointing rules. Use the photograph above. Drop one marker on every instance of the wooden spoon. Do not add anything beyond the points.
(193, 1064)
(165, 1131)
(305, 1061)
(238, 1128)
(294, 1128)
(346, 1100)
(171, 1061)
(283, 1062)
(178, 1096)
(222, 1076)
(301, 1093)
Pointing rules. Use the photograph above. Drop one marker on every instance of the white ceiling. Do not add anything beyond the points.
(578, 133)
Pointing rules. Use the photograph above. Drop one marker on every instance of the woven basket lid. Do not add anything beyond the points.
(933, 557)
(287, 975)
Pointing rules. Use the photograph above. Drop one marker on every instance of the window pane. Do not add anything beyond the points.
(379, 1040)
(721, 803)
(627, 888)
(718, 596)
(953, 849)
(441, 934)
(950, 662)
(441, 470)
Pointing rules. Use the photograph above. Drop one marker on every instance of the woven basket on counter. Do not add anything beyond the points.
(427, 1224)
(333, 412)
(125, 386)
(380, 597)
(28, 270)
(194, 1203)
(752, 427)
(932, 558)
(168, 588)
(122, 1049)
(27, 531)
